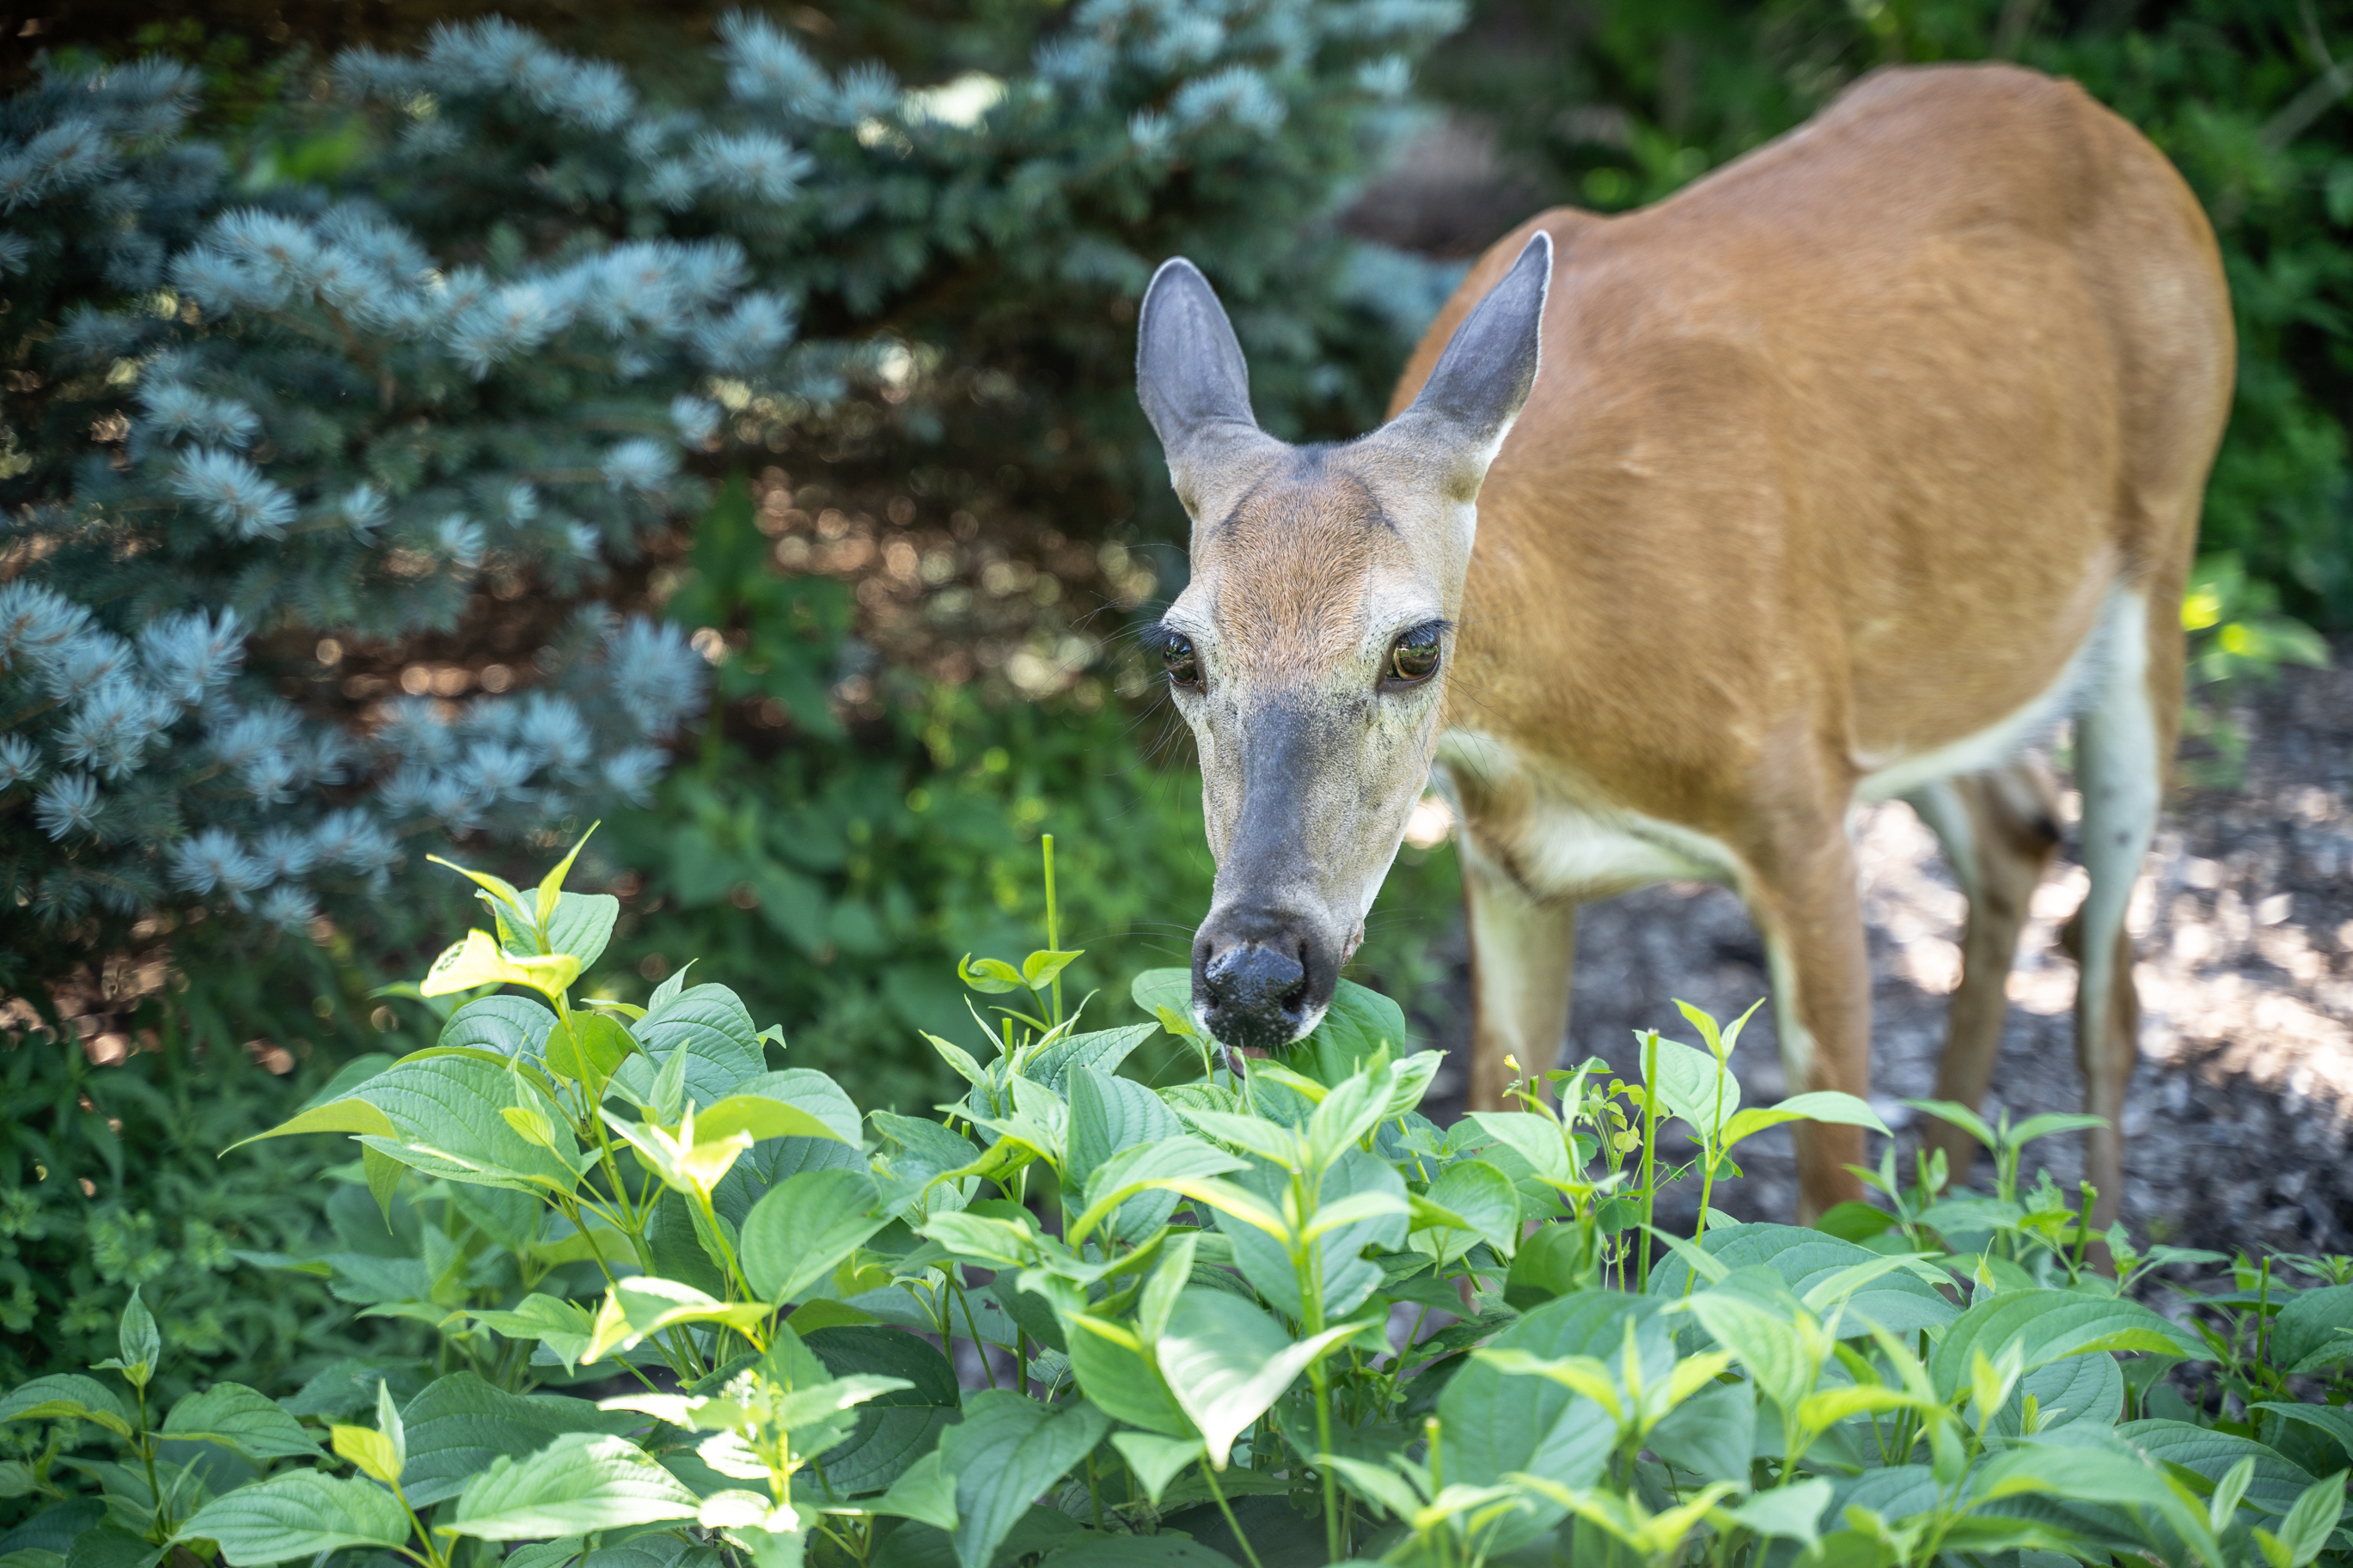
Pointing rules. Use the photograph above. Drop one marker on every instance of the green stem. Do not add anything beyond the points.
(1649, 1152)
(1053, 925)
(2084, 1229)
(979, 1345)
(1210, 1473)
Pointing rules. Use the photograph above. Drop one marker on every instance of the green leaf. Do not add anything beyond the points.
(348, 1115)
(1712, 1434)
(709, 1024)
(1688, 1087)
(1960, 1115)
(1820, 1105)
(2314, 1331)
(583, 924)
(924, 1493)
(1145, 1167)
(990, 976)
(646, 1304)
(806, 1225)
(1358, 1023)
(1114, 1372)
(2274, 1485)
(140, 1345)
(2312, 1519)
(2094, 1475)
(498, 887)
(591, 1051)
(581, 1481)
(2333, 1423)
(807, 1089)
(2048, 1325)
(1345, 1275)
(564, 1327)
(893, 1430)
(1228, 1361)
(108, 1546)
(1155, 990)
(1791, 1512)
(479, 959)
(1897, 1300)
(763, 1116)
(1108, 1114)
(1536, 1139)
(1007, 1450)
(2086, 1389)
(1104, 1050)
(1038, 970)
(1482, 1205)
(459, 1424)
(1494, 1425)
(241, 1419)
(66, 1396)
(551, 886)
(1351, 1109)
(1166, 1550)
(1767, 1344)
(508, 1025)
(1157, 1460)
(298, 1514)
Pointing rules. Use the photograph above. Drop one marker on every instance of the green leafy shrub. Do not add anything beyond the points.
(690, 1302)
(161, 1211)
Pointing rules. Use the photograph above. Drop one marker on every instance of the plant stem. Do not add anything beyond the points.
(1053, 926)
(1210, 1473)
(1650, 1152)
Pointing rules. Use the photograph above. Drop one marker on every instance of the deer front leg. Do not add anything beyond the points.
(1803, 896)
(1523, 950)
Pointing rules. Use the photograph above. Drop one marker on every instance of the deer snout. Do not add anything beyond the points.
(1261, 982)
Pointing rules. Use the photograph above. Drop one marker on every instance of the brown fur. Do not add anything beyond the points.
(1832, 459)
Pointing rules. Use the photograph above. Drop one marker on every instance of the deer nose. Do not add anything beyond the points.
(1255, 995)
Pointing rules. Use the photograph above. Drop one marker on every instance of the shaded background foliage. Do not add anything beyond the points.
(908, 592)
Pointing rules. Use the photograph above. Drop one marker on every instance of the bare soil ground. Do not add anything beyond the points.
(2239, 1112)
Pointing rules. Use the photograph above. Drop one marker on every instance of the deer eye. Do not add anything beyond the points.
(1412, 659)
(1183, 664)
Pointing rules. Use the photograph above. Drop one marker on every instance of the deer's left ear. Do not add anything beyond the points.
(1467, 405)
(1193, 385)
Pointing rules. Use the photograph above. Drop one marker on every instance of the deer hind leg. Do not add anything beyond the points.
(1523, 950)
(2123, 739)
(1802, 890)
(1999, 829)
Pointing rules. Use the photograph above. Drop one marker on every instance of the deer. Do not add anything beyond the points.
(1848, 473)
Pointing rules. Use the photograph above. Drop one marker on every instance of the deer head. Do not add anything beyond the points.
(1309, 652)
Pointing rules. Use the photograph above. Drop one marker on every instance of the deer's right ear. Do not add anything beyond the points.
(1193, 383)
(1467, 405)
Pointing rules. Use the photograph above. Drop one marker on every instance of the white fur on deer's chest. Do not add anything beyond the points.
(1561, 845)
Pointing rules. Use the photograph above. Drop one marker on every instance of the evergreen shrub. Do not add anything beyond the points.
(257, 425)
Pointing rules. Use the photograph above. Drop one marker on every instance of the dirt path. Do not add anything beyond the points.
(2239, 1112)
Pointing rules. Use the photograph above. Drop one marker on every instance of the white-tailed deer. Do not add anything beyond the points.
(1853, 470)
